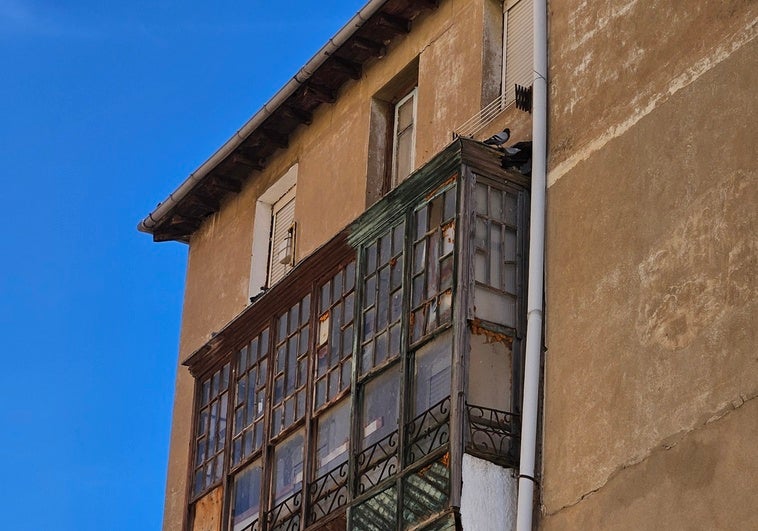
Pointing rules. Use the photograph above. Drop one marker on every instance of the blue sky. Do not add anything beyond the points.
(105, 107)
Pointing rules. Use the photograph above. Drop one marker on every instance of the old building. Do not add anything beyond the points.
(364, 287)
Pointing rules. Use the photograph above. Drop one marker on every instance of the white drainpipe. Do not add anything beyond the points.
(536, 267)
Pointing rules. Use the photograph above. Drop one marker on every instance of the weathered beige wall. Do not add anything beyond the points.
(331, 189)
(613, 62)
(651, 260)
(707, 480)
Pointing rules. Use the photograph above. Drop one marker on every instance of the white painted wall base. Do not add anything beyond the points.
(488, 501)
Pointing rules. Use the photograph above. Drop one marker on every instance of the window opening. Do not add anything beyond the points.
(261, 256)
(379, 429)
(426, 492)
(210, 432)
(430, 399)
(250, 397)
(432, 265)
(495, 254)
(404, 137)
(517, 25)
(382, 299)
(246, 497)
(335, 336)
(288, 482)
(282, 252)
(292, 340)
(328, 491)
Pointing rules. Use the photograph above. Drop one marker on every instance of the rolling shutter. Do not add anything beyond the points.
(518, 47)
(282, 252)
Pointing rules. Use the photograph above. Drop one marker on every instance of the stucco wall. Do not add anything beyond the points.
(706, 480)
(651, 260)
(488, 499)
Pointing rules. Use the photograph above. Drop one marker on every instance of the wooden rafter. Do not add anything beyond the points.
(254, 163)
(320, 93)
(351, 68)
(377, 49)
(394, 23)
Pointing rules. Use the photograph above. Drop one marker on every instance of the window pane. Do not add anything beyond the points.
(404, 155)
(380, 308)
(380, 407)
(246, 496)
(432, 265)
(211, 430)
(405, 114)
(333, 436)
(432, 373)
(292, 353)
(288, 467)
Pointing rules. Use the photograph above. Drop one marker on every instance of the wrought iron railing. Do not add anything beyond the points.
(285, 516)
(377, 462)
(328, 493)
(493, 434)
(428, 431)
(252, 526)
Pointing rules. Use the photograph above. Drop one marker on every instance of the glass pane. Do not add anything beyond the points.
(288, 467)
(380, 407)
(377, 512)
(246, 496)
(449, 205)
(432, 373)
(426, 493)
(405, 114)
(333, 436)
(404, 155)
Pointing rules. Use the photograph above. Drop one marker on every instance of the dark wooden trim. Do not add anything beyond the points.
(319, 93)
(394, 23)
(254, 163)
(351, 68)
(298, 114)
(376, 49)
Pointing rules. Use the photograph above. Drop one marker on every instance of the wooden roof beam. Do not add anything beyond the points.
(304, 117)
(394, 23)
(279, 139)
(225, 183)
(377, 49)
(320, 93)
(204, 202)
(351, 68)
(253, 163)
(178, 225)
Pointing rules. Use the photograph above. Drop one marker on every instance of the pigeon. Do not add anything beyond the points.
(499, 139)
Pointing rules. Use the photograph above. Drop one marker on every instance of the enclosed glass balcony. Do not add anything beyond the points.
(359, 381)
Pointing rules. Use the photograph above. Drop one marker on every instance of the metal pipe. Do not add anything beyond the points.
(536, 268)
(360, 18)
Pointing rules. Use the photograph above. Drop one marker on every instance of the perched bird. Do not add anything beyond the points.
(499, 139)
(518, 157)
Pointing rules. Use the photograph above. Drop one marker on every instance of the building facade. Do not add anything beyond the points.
(352, 342)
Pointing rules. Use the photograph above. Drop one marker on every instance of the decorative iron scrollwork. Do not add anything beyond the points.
(253, 526)
(286, 515)
(328, 493)
(377, 462)
(493, 434)
(428, 431)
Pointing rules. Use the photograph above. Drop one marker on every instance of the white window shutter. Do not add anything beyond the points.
(518, 47)
(282, 250)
